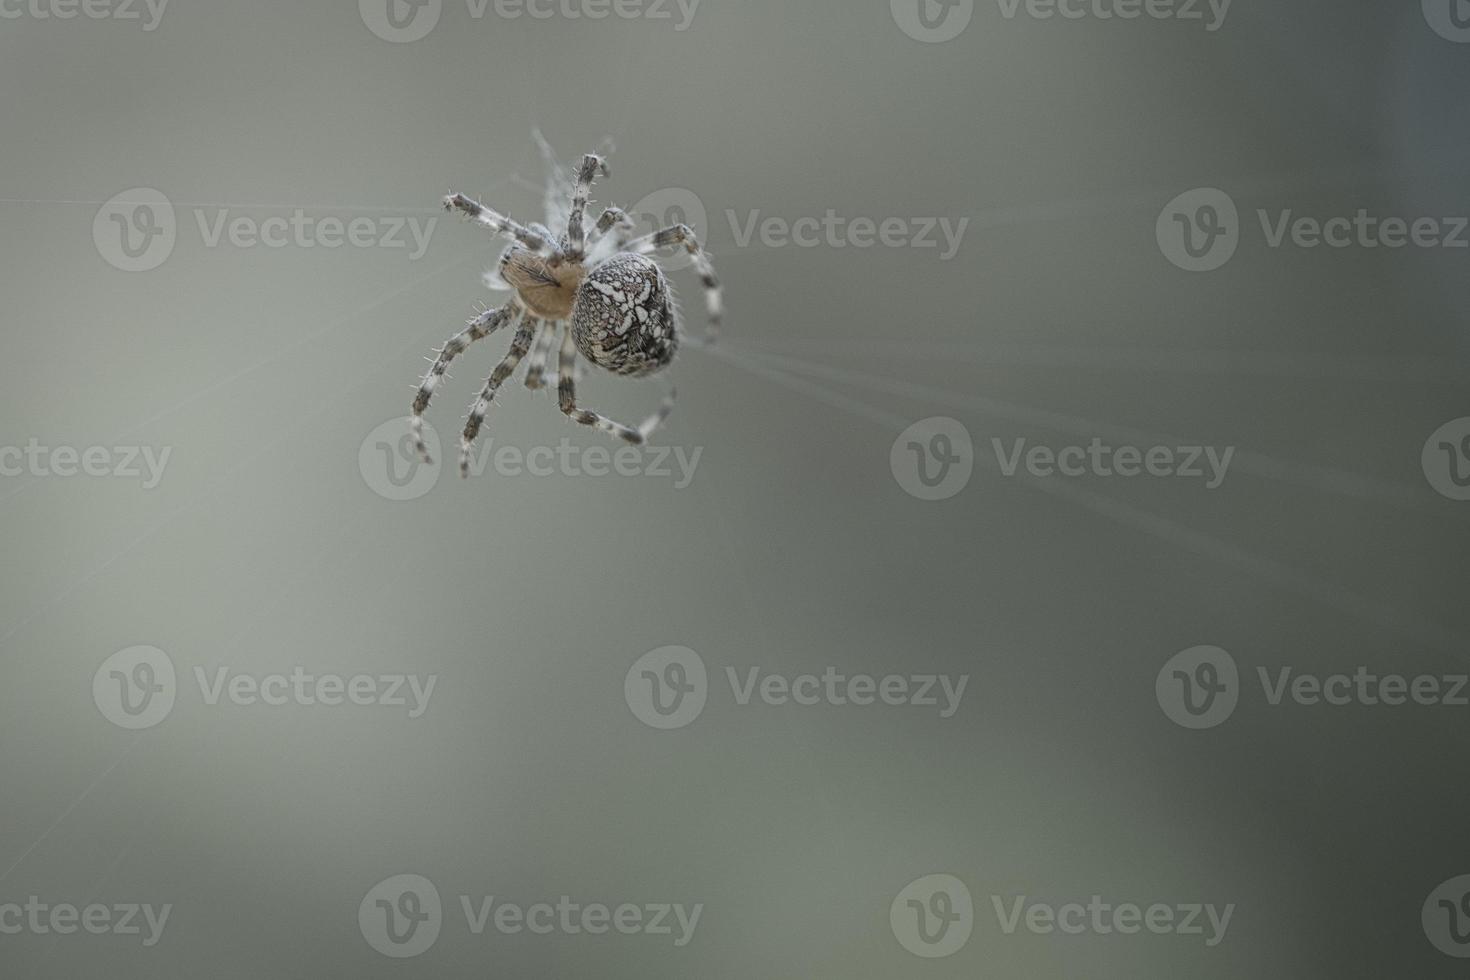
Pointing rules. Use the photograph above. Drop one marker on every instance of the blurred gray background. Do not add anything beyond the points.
(269, 544)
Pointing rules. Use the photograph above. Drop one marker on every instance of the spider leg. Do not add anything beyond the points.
(682, 235)
(500, 224)
(592, 166)
(540, 353)
(481, 326)
(616, 217)
(567, 395)
(518, 348)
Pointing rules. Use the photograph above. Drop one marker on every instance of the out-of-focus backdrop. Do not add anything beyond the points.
(1058, 571)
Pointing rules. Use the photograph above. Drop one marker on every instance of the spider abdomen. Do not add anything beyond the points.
(623, 320)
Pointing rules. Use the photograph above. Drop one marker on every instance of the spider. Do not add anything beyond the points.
(618, 311)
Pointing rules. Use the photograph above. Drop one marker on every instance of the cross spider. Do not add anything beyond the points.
(618, 312)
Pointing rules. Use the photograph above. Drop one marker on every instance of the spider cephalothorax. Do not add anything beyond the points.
(618, 312)
(545, 289)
